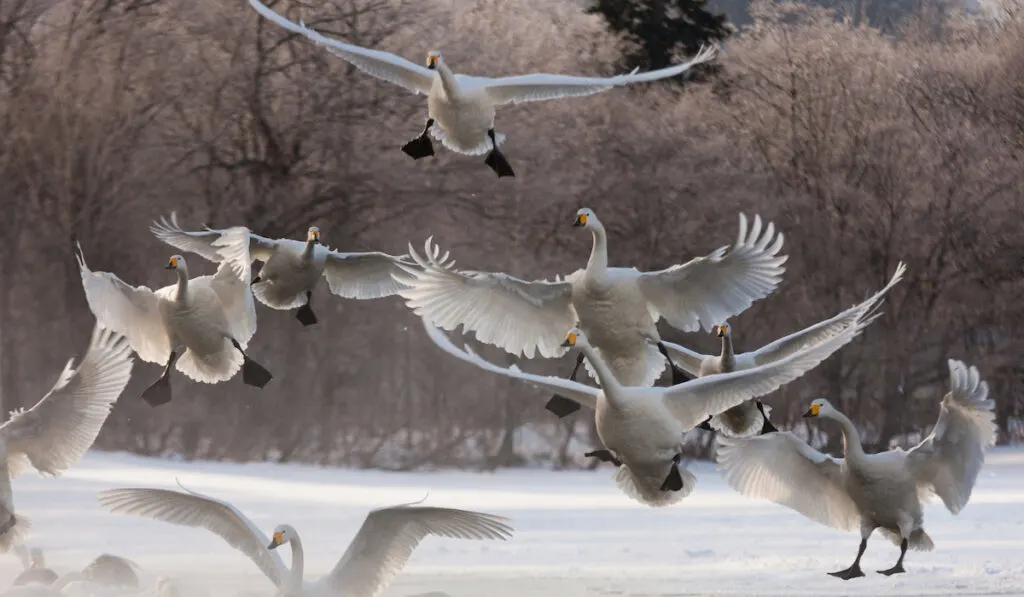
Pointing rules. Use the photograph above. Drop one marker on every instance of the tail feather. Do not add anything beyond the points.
(918, 541)
(648, 491)
(272, 296)
(211, 368)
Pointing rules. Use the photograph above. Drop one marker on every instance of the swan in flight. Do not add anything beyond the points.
(213, 317)
(744, 419)
(291, 268)
(871, 491)
(617, 307)
(56, 432)
(460, 107)
(376, 555)
(642, 427)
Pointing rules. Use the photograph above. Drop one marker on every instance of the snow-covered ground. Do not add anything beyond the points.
(575, 535)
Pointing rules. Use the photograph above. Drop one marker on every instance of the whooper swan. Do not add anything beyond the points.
(55, 433)
(744, 419)
(376, 555)
(461, 107)
(642, 428)
(213, 317)
(871, 491)
(617, 307)
(291, 268)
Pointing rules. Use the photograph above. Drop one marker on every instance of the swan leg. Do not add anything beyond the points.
(160, 391)
(560, 405)
(674, 481)
(420, 147)
(496, 160)
(678, 376)
(604, 456)
(767, 427)
(854, 570)
(898, 568)
(305, 313)
(253, 374)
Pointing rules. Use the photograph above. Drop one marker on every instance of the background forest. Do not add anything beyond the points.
(866, 139)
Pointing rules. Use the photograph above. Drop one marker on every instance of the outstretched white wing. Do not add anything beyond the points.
(781, 468)
(388, 537)
(541, 86)
(382, 65)
(521, 317)
(56, 432)
(948, 461)
(364, 275)
(585, 395)
(708, 290)
(130, 310)
(214, 245)
(196, 510)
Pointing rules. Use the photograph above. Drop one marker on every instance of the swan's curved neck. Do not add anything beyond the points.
(448, 80)
(598, 263)
(182, 293)
(728, 358)
(609, 384)
(851, 437)
(307, 254)
(293, 585)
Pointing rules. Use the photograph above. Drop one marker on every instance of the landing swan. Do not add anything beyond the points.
(744, 419)
(461, 107)
(871, 491)
(35, 570)
(213, 317)
(617, 307)
(55, 433)
(291, 268)
(376, 555)
(642, 428)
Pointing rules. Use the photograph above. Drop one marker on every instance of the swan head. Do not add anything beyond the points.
(721, 330)
(313, 235)
(585, 219)
(819, 408)
(575, 337)
(282, 534)
(176, 262)
(433, 60)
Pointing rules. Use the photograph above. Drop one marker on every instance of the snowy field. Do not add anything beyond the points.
(576, 535)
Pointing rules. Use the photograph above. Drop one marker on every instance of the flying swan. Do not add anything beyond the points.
(213, 317)
(291, 268)
(55, 433)
(744, 419)
(871, 491)
(642, 428)
(461, 107)
(617, 307)
(376, 555)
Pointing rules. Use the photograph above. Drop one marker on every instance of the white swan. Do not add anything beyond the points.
(34, 567)
(213, 317)
(871, 491)
(617, 307)
(59, 587)
(55, 433)
(291, 268)
(748, 417)
(461, 107)
(376, 555)
(642, 428)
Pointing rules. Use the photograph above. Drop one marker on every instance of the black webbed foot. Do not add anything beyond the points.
(604, 456)
(419, 148)
(253, 374)
(674, 481)
(159, 392)
(706, 425)
(897, 569)
(562, 406)
(496, 160)
(305, 313)
(767, 427)
(851, 572)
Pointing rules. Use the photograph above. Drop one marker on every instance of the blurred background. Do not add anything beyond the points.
(869, 131)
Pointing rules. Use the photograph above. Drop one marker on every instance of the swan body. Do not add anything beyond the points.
(872, 491)
(54, 434)
(291, 269)
(642, 427)
(376, 555)
(617, 308)
(35, 570)
(462, 108)
(747, 418)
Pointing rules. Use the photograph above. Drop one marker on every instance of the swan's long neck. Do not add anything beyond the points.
(597, 266)
(728, 358)
(307, 254)
(182, 295)
(851, 438)
(609, 384)
(67, 579)
(294, 582)
(448, 80)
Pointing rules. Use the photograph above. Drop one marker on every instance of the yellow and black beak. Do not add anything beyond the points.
(276, 541)
(172, 263)
(812, 411)
(314, 237)
(570, 340)
(581, 220)
(432, 62)
(720, 329)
